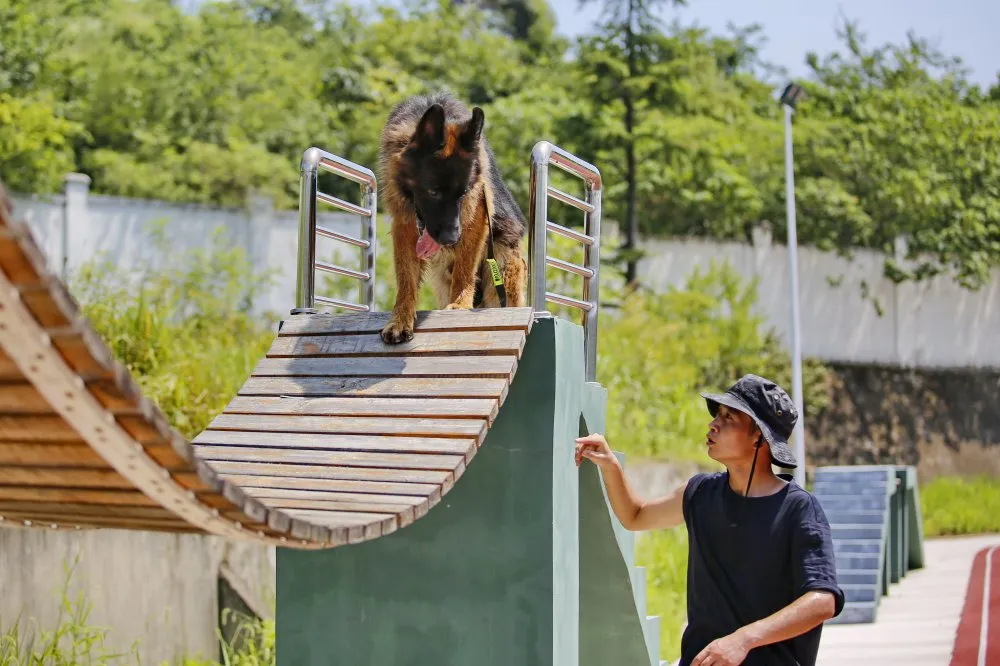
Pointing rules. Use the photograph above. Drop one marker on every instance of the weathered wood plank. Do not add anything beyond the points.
(140, 429)
(467, 343)
(357, 425)
(9, 371)
(342, 505)
(275, 497)
(105, 510)
(37, 427)
(14, 264)
(388, 366)
(402, 387)
(386, 461)
(42, 519)
(45, 310)
(324, 442)
(77, 354)
(22, 398)
(264, 484)
(339, 518)
(439, 408)
(433, 320)
(50, 455)
(332, 472)
(74, 496)
(54, 477)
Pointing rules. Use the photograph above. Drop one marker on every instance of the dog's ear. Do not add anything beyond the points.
(472, 130)
(430, 129)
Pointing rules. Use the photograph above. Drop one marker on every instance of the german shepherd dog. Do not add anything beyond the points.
(448, 202)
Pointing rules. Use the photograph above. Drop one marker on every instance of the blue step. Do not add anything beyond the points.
(855, 613)
(856, 532)
(856, 517)
(859, 592)
(853, 474)
(831, 503)
(856, 546)
(825, 489)
(858, 561)
(857, 577)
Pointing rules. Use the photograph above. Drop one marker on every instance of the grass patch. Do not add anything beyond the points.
(188, 333)
(953, 505)
(664, 553)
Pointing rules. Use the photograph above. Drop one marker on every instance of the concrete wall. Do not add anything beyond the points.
(158, 589)
(932, 325)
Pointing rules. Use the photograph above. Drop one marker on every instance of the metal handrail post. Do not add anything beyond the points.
(305, 283)
(543, 154)
(313, 160)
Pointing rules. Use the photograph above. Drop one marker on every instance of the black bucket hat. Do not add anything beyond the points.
(769, 406)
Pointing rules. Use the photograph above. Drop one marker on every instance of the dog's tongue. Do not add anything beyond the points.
(426, 246)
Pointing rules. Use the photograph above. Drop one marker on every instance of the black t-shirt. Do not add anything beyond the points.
(750, 557)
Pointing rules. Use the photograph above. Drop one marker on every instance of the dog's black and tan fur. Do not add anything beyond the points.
(439, 174)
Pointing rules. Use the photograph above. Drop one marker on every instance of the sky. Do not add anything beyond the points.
(963, 28)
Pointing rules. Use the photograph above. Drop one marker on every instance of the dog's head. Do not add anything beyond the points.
(440, 167)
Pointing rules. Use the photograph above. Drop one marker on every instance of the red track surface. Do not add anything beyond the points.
(977, 641)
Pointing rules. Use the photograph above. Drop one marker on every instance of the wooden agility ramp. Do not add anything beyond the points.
(335, 438)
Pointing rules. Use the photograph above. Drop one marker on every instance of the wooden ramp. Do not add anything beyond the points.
(336, 437)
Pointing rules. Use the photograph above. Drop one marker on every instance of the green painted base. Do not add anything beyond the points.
(491, 575)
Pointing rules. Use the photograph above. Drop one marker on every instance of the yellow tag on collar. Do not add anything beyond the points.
(495, 272)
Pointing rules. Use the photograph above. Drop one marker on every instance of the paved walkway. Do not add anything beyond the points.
(917, 622)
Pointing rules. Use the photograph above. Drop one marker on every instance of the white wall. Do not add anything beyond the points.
(934, 324)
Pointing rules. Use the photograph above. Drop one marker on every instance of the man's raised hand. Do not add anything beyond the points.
(595, 449)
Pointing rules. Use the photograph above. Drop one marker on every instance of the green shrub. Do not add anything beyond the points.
(953, 505)
(187, 333)
(660, 350)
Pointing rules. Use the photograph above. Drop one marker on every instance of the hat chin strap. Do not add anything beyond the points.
(753, 466)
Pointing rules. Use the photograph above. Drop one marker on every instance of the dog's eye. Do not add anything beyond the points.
(434, 194)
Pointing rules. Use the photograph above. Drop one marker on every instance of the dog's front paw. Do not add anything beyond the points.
(396, 332)
(458, 305)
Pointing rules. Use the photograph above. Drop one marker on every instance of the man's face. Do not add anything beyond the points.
(731, 436)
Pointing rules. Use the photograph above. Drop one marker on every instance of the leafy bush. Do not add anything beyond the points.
(954, 505)
(187, 332)
(661, 349)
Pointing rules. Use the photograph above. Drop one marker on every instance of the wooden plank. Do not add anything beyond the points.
(363, 425)
(106, 510)
(14, 264)
(9, 371)
(338, 518)
(324, 442)
(141, 430)
(402, 387)
(389, 366)
(388, 461)
(50, 455)
(265, 484)
(45, 310)
(78, 356)
(461, 343)
(74, 495)
(43, 519)
(341, 505)
(111, 396)
(433, 320)
(38, 428)
(321, 472)
(63, 478)
(276, 497)
(22, 398)
(438, 408)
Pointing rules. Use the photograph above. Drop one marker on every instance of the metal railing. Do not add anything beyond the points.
(542, 155)
(313, 160)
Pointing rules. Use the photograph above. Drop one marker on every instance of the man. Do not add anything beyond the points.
(761, 574)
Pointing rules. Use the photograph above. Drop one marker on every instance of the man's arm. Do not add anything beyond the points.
(634, 513)
(808, 611)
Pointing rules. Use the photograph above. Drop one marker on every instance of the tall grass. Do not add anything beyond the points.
(954, 505)
(188, 331)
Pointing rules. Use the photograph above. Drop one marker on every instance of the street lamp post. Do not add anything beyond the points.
(789, 99)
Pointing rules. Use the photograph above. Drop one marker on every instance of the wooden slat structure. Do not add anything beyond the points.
(335, 438)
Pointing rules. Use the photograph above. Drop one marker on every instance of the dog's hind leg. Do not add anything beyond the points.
(408, 269)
